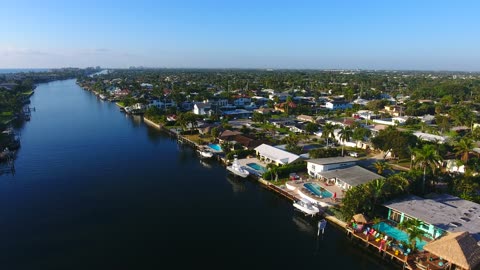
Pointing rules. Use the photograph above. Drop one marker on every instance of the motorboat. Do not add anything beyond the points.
(237, 169)
(204, 153)
(306, 207)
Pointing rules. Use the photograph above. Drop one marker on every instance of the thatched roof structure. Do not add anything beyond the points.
(360, 218)
(459, 248)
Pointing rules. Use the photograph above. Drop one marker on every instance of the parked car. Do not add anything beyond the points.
(353, 154)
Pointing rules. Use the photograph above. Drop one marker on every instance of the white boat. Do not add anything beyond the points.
(237, 169)
(306, 207)
(102, 97)
(205, 153)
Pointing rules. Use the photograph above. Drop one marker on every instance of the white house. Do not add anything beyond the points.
(201, 108)
(337, 105)
(316, 166)
(271, 154)
(161, 104)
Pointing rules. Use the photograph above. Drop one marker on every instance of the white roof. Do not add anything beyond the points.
(276, 154)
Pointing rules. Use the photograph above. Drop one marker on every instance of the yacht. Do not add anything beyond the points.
(204, 153)
(236, 169)
(306, 207)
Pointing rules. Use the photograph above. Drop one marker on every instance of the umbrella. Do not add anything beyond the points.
(360, 218)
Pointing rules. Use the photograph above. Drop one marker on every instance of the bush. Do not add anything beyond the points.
(241, 153)
(285, 170)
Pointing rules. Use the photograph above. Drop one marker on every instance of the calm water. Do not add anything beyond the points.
(95, 189)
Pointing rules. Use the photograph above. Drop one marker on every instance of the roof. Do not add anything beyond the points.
(276, 154)
(332, 160)
(353, 176)
(228, 133)
(459, 248)
(446, 212)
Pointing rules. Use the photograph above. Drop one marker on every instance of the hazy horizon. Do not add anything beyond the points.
(348, 35)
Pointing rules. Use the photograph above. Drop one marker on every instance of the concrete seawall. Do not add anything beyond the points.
(151, 123)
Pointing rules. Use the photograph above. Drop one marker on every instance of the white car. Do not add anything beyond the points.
(353, 154)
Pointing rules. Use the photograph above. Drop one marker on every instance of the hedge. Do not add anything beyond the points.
(285, 170)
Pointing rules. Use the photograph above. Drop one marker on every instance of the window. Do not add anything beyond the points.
(313, 167)
(395, 216)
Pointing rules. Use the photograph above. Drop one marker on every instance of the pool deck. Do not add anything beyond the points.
(296, 187)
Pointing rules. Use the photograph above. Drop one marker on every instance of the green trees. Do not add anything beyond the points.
(381, 166)
(328, 130)
(188, 121)
(463, 148)
(426, 157)
(412, 227)
(394, 141)
(364, 198)
(311, 127)
(345, 135)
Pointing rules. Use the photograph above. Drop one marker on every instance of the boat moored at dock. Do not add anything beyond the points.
(237, 169)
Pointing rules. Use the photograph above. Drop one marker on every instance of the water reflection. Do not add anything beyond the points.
(303, 223)
(238, 185)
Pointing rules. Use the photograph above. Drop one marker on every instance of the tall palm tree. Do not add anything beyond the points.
(463, 148)
(376, 189)
(381, 166)
(272, 167)
(412, 227)
(345, 135)
(427, 156)
(328, 130)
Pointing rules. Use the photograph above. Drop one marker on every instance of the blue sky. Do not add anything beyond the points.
(421, 34)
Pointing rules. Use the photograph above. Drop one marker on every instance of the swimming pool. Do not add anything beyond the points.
(257, 167)
(215, 147)
(399, 235)
(318, 190)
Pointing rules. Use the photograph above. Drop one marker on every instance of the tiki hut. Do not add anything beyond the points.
(459, 248)
(359, 218)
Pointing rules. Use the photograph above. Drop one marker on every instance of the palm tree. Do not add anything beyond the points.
(272, 167)
(425, 157)
(345, 135)
(376, 189)
(463, 148)
(328, 130)
(381, 166)
(412, 227)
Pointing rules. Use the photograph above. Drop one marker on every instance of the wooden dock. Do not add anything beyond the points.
(281, 192)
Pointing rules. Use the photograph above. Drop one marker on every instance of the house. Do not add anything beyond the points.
(245, 141)
(315, 166)
(242, 101)
(350, 176)
(161, 104)
(146, 86)
(297, 128)
(270, 154)
(338, 105)
(394, 110)
(228, 135)
(306, 118)
(264, 110)
(431, 137)
(440, 213)
(202, 108)
(238, 113)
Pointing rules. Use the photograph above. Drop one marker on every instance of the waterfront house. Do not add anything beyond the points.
(271, 154)
(8, 86)
(440, 213)
(343, 171)
(242, 101)
(228, 135)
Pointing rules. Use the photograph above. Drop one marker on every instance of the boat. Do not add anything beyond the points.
(204, 153)
(237, 169)
(306, 207)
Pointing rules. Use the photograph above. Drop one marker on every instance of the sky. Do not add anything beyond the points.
(340, 34)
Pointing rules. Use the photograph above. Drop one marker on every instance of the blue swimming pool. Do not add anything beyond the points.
(257, 167)
(215, 147)
(397, 234)
(318, 190)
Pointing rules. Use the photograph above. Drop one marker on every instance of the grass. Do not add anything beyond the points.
(121, 104)
(200, 139)
(28, 93)
(279, 182)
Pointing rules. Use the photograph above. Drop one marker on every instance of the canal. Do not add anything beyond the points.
(96, 189)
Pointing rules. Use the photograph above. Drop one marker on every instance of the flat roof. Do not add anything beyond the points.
(444, 211)
(353, 176)
(331, 160)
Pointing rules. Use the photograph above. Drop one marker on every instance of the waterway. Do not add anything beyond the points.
(96, 189)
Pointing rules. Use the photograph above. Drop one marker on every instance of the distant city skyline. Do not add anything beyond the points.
(381, 35)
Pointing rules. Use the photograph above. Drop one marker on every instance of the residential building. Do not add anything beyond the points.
(315, 166)
(202, 108)
(440, 213)
(338, 105)
(270, 154)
